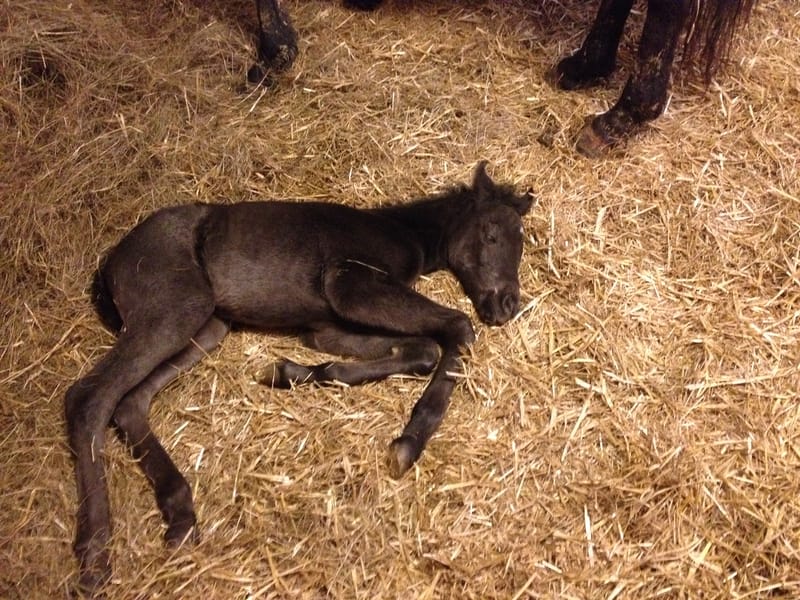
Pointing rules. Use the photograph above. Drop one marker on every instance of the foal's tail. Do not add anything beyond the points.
(711, 32)
(104, 303)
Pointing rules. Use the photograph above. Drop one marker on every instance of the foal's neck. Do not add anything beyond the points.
(431, 220)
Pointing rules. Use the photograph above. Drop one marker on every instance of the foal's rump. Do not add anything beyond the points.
(152, 268)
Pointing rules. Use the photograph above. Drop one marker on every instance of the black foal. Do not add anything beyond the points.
(176, 282)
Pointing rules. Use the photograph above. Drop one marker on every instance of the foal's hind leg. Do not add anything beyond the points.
(382, 355)
(90, 404)
(173, 494)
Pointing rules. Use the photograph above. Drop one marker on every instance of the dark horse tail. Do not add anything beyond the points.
(104, 303)
(711, 31)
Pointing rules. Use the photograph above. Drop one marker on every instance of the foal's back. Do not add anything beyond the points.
(263, 261)
(266, 260)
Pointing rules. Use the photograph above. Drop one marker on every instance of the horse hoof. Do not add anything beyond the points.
(574, 73)
(285, 374)
(363, 4)
(557, 77)
(181, 533)
(272, 376)
(258, 75)
(402, 454)
(592, 144)
(93, 579)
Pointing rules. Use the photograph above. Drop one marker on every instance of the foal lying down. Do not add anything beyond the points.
(176, 282)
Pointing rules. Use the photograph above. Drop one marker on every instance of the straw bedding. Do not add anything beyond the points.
(633, 433)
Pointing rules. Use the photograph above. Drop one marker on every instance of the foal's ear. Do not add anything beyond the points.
(523, 204)
(486, 190)
(482, 184)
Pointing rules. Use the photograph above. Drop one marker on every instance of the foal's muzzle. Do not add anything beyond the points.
(497, 307)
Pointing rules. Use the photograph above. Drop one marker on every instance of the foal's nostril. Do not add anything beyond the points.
(498, 307)
(509, 304)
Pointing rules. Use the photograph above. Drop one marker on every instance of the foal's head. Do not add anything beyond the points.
(485, 247)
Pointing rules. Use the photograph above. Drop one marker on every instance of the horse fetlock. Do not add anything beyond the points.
(648, 111)
(403, 452)
(277, 44)
(277, 47)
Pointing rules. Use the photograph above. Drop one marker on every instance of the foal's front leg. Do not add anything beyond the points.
(361, 295)
(381, 356)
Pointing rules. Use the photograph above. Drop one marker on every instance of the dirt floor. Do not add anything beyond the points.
(633, 433)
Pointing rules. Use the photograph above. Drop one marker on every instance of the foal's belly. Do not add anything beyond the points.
(270, 301)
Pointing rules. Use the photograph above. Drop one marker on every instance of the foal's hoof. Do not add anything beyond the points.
(185, 532)
(94, 577)
(276, 49)
(403, 452)
(285, 374)
(592, 144)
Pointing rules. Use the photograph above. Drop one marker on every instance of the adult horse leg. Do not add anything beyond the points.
(363, 4)
(360, 295)
(172, 492)
(277, 42)
(382, 355)
(597, 56)
(645, 94)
